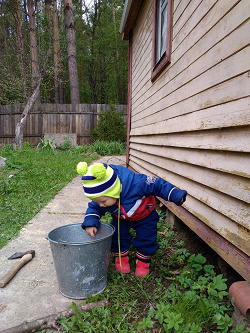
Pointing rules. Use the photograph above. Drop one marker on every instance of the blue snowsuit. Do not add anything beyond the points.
(137, 211)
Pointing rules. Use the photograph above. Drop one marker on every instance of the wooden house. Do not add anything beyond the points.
(189, 112)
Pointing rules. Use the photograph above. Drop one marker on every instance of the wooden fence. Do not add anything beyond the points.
(46, 119)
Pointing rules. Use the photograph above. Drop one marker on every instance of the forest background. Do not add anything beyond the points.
(72, 49)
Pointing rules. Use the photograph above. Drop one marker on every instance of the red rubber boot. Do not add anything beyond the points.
(142, 268)
(124, 267)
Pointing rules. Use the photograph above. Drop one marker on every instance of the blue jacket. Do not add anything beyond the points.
(137, 197)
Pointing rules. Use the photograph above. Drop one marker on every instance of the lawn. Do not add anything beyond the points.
(30, 180)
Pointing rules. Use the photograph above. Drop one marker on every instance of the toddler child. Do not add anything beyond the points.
(130, 198)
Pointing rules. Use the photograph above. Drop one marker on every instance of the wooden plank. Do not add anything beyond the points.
(142, 53)
(226, 162)
(45, 124)
(32, 123)
(36, 119)
(231, 254)
(176, 4)
(179, 7)
(142, 34)
(235, 113)
(1, 125)
(48, 124)
(225, 139)
(186, 21)
(79, 128)
(236, 234)
(57, 118)
(142, 65)
(199, 186)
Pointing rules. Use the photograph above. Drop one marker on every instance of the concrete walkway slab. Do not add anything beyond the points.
(34, 292)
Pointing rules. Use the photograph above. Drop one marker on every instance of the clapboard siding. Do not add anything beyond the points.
(143, 51)
(227, 91)
(207, 118)
(216, 186)
(224, 12)
(200, 41)
(180, 76)
(201, 207)
(238, 64)
(220, 139)
(190, 126)
(233, 176)
(51, 118)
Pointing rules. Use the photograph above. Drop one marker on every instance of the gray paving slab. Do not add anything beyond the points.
(34, 292)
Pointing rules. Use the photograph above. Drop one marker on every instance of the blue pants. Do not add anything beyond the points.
(146, 234)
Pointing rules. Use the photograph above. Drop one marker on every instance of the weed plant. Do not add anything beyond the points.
(108, 148)
(182, 294)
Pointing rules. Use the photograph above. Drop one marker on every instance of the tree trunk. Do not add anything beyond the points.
(20, 47)
(20, 125)
(71, 51)
(48, 18)
(93, 82)
(58, 82)
(33, 47)
(47, 10)
(117, 54)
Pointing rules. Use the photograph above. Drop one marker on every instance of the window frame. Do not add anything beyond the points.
(158, 67)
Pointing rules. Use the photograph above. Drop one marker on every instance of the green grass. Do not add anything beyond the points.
(108, 148)
(30, 180)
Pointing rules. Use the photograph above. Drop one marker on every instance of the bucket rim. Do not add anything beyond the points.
(79, 243)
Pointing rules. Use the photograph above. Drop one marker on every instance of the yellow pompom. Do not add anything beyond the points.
(98, 170)
(82, 168)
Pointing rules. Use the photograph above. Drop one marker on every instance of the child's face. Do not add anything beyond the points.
(105, 201)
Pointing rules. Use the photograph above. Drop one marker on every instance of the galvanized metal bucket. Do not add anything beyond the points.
(81, 261)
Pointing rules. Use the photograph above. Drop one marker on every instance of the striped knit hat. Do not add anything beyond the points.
(99, 180)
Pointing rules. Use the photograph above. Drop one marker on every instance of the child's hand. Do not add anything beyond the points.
(91, 231)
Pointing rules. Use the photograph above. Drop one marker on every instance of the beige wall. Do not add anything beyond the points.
(191, 125)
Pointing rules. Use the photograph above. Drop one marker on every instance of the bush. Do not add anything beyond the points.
(111, 126)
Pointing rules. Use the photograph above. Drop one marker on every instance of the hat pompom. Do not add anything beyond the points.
(98, 170)
(82, 168)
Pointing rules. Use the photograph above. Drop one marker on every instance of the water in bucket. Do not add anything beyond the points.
(81, 261)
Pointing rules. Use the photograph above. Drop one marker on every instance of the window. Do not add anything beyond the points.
(162, 32)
